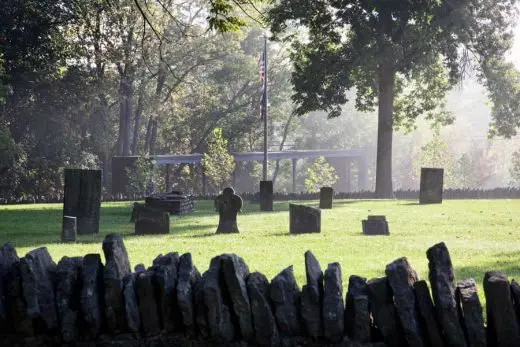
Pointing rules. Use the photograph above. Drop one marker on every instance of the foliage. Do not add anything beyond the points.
(514, 171)
(320, 174)
(217, 162)
(141, 178)
(12, 163)
(475, 168)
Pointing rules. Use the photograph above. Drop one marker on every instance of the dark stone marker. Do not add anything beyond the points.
(91, 297)
(140, 207)
(188, 277)
(82, 199)
(37, 269)
(515, 293)
(356, 286)
(402, 277)
(148, 312)
(285, 295)
(117, 267)
(228, 204)
(469, 303)
(442, 280)
(304, 219)
(362, 319)
(333, 309)
(132, 315)
(382, 306)
(67, 296)
(201, 319)
(431, 186)
(312, 297)
(17, 307)
(69, 229)
(266, 195)
(375, 225)
(235, 272)
(221, 328)
(502, 325)
(326, 196)
(266, 331)
(8, 258)
(427, 314)
(165, 275)
(150, 223)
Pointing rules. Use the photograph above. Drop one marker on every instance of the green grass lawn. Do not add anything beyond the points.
(481, 235)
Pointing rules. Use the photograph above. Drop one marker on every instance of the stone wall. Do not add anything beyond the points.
(83, 302)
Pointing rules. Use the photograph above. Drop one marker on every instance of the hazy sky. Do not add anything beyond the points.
(515, 54)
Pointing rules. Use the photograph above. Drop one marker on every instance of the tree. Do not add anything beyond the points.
(402, 56)
(321, 174)
(514, 171)
(217, 162)
(142, 177)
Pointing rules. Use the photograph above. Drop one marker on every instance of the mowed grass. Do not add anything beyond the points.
(481, 235)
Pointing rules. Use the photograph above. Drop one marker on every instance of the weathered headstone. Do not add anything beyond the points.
(326, 196)
(431, 186)
(228, 204)
(152, 223)
(333, 309)
(375, 225)
(469, 303)
(266, 195)
(304, 219)
(140, 207)
(82, 199)
(69, 229)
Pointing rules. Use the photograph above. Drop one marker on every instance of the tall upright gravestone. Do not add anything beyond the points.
(266, 195)
(82, 199)
(431, 186)
(326, 195)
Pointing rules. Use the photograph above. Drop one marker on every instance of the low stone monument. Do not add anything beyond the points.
(228, 204)
(326, 195)
(139, 208)
(431, 186)
(82, 199)
(69, 229)
(266, 195)
(152, 222)
(304, 219)
(375, 225)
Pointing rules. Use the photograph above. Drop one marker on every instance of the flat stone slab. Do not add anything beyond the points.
(304, 219)
(375, 225)
(431, 186)
(69, 229)
(152, 222)
(266, 195)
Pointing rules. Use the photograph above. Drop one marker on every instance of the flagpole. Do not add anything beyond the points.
(264, 111)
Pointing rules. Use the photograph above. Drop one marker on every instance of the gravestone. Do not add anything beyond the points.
(152, 222)
(304, 219)
(228, 204)
(140, 207)
(69, 228)
(375, 225)
(82, 199)
(326, 194)
(266, 195)
(431, 186)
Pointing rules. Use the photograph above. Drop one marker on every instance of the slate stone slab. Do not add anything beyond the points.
(151, 222)
(218, 309)
(165, 276)
(326, 196)
(235, 272)
(304, 219)
(228, 204)
(37, 269)
(431, 186)
(201, 319)
(401, 277)
(471, 312)
(356, 286)
(117, 267)
(442, 280)
(515, 293)
(266, 330)
(68, 288)
(82, 199)
(333, 309)
(266, 195)
(362, 329)
(91, 296)
(502, 325)
(132, 314)
(312, 297)
(17, 307)
(69, 229)
(188, 277)
(428, 314)
(382, 306)
(285, 295)
(8, 259)
(139, 207)
(149, 314)
(375, 225)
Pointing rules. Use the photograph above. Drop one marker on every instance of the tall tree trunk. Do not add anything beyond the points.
(125, 113)
(384, 132)
(138, 113)
(148, 136)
